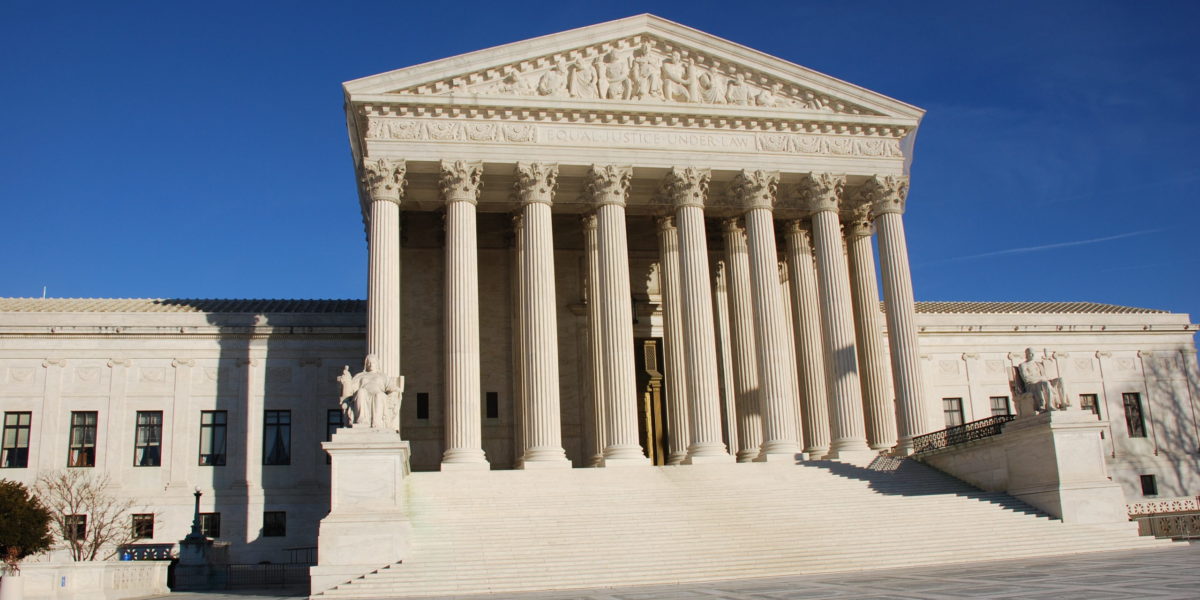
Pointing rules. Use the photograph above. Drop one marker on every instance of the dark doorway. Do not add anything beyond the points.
(653, 434)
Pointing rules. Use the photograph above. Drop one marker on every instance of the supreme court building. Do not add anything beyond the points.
(627, 245)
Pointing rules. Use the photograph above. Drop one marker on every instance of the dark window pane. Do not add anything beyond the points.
(82, 449)
(1000, 406)
(212, 438)
(1090, 402)
(952, 408)
(147, 439)
(76, 527)
(1149, 485)
(1134, 422)
(210, 524)
(14, 449)
(422, 405)
(143, 526)
(277, 437)
(274, 524)
(493, 405)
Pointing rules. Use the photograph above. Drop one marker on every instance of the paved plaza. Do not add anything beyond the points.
(1172, 573)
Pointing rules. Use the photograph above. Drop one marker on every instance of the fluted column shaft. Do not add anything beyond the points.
(877, 398)
(776, 376)
(741, 333)
(810, 353)
(676, 375)
(902, 329)
(595, 342)
(385, 183)
(608, 187)
(700, 339)
(535, 187)
(520, 404)
(461, 184)
(847, 433)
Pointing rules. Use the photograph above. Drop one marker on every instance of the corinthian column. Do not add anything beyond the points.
(677, 406)
(755, 191)
(608, 187)
(460, 184)
(877, 397)
(535, 188)
(886, 196)
(810, 351)
(384, 181)
(687, 189)
(741, 333)
(595, 342)
(820, 192)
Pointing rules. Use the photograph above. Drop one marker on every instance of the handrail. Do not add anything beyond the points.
(975, 430)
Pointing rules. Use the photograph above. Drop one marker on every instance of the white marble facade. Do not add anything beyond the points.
(533, 211)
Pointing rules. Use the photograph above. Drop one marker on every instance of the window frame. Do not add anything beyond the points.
(958, 412)
(77, 526)
(1135, 420)
(1149, 485)
(992, 400)
(277, 424)
(142, 526)
(209, 434)
(81, 453)
(1095, 404)
(210, 524)
(142, 446)
(15, 452)
(274, 523)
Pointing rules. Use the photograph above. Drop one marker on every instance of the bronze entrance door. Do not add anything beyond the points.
(652, 403)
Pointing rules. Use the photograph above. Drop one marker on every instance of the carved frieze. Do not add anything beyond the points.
(551, 134)
(640, 69)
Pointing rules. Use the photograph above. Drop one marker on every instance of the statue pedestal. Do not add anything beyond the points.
(1056, 462)
(367, 527)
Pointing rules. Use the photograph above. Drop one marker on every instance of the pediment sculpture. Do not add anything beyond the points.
(371, 398)
(642, 69)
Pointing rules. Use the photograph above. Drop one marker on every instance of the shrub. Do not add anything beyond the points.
(24, 523)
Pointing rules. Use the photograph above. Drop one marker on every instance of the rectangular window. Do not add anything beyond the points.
(14, 453)
(334, 420)
(1149, 485)
(212, 438)
(422, 405)
(1090, 402)
(147, 439)
(274, 523)
(952, 408)
(492, 405)
(1133, 414)
(76, 527)
(83, 440)
(1000, 406)
(143, 526)
(277, 437)
(210, 524)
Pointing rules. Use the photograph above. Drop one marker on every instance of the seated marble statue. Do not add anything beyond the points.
(1046, 392)
(370, 398)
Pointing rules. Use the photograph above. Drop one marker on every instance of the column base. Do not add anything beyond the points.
(702, 459)
(466, 466)
(816, 453)
(625, 462)
(535, 465)
(783, 458)
(677, 458)
(747, 455)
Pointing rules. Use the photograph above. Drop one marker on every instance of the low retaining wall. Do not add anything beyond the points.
(94, 580)
(1053, 461)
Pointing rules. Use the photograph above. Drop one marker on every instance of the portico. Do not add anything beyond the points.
(579, 187)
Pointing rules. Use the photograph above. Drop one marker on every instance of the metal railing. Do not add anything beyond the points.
(975, 430)
(304, 555)
(1176, 527)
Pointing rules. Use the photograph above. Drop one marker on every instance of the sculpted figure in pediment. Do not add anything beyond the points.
(769, 97)
(553, 82)
(738, 92)
(615, 83)
(583, 80)
(677, 78)
(645, 81)
(711, 87)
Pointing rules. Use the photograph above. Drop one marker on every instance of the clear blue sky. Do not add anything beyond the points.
(198, 149)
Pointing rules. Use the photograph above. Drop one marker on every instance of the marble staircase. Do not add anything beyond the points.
(506, 531)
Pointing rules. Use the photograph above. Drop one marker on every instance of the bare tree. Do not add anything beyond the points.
(86, 515)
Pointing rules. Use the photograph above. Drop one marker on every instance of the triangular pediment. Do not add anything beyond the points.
(640, 60)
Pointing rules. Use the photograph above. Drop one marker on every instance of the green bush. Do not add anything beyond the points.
(24, 522)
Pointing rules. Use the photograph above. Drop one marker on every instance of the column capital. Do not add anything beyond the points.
(885, 194)
(608, 184)
(536, 182)
(665, 224)
(798, 226)
(461, 181)
(686, 186)
(732, 224)
(856, 221)
(819, 192)
(752, 189)
(588, 221)
(384, 179)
